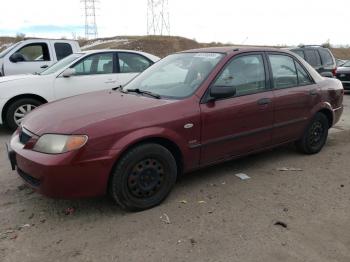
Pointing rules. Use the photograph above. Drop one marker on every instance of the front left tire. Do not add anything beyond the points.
(143, 177)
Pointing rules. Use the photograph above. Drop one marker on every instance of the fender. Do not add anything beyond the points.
(322, 106)
(190, 156)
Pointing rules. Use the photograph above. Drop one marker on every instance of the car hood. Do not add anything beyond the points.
(343, 70)
(16, 77)
(71, 115)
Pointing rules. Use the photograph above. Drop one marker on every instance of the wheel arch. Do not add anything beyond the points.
(329, 114)
(10, 101)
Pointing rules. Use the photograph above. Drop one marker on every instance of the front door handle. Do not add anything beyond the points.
(44, 66)
(110, 82)
(264, 101)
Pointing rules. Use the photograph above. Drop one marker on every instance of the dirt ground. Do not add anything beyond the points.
(211, 215)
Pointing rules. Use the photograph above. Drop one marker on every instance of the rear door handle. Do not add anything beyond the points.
(264, 101)
(313, 92)
(110, 82)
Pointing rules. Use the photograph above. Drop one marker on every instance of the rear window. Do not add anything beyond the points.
(313, 58)
(62, 50)
(326, 57)
(299, 53)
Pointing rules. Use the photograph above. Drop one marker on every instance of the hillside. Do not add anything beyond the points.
(158, 45)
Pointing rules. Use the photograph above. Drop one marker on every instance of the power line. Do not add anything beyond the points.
(158, 17)
(90, 18)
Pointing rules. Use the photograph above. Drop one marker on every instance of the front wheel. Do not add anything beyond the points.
(17, 111)
(315, 136)
(143, 177)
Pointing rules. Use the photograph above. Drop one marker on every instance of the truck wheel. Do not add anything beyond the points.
(315, 135)
(18, 109)
(143, 177)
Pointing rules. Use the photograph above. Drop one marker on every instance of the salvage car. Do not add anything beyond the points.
(188, 111)
(343, 74)
(76, 74)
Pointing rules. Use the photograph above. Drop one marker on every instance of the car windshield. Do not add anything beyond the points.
(8, 49)
(346, 64)
(176, 76)
(61, 64)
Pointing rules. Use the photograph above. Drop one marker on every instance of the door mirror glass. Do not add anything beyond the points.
(17, 57)
(68, 72)
(218, 92)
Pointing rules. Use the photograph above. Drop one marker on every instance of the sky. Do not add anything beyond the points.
(255, 22)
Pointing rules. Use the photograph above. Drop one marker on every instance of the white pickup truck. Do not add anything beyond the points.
(34, 55)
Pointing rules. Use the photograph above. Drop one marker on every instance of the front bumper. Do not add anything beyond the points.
(81, 173)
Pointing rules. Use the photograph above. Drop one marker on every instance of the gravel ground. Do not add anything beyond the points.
(211, 215)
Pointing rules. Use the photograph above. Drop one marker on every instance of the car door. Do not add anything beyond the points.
(243, 123)
(130, 65)
(295, 95)
(29, 58)
(92, 73)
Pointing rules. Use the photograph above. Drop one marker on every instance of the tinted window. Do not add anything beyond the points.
(132, 63)
(312, 57)
(283, 71)
(299, 53)
(95, 64)
(34, 52)
(326, 57)
(245, 73)
(303, 77)
(62, 50)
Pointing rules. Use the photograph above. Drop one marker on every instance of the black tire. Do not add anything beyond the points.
(11, 109)
(315, 135)
(143, 177)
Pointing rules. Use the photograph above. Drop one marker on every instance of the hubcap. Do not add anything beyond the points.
(146, 178)
(316, 133)
(21, 112)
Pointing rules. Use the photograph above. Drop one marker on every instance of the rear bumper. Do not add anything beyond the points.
(69, 175)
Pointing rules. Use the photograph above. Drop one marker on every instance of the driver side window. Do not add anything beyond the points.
(245, 73)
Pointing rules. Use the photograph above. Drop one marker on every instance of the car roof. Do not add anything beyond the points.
(93, 51)
(230, 49)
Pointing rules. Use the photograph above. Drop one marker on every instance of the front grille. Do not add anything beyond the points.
(24, 137)
(29, 179)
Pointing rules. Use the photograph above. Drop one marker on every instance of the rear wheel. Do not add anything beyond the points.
(17, 110)
(143, 177)
(315, 136)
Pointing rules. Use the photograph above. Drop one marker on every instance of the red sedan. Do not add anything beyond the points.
(190, 110)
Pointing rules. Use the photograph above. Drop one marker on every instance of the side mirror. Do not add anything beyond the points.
(68, 72)
(218, 92)
(17, 57)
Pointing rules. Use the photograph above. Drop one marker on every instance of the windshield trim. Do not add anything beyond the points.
(124, 88)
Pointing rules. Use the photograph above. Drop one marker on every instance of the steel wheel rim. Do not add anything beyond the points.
(316, 133)
(21, 112)
(146, 178)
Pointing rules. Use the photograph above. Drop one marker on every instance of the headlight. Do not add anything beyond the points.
(57, 144)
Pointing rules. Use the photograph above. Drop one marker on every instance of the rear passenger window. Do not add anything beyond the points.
(132, 63)
(313, 58)
(245, 73)
(283, 71)
(326, 57)
(303, 77)
(62, 50)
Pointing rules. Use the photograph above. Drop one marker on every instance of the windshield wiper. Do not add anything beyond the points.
(117, 87)
(139, 91)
